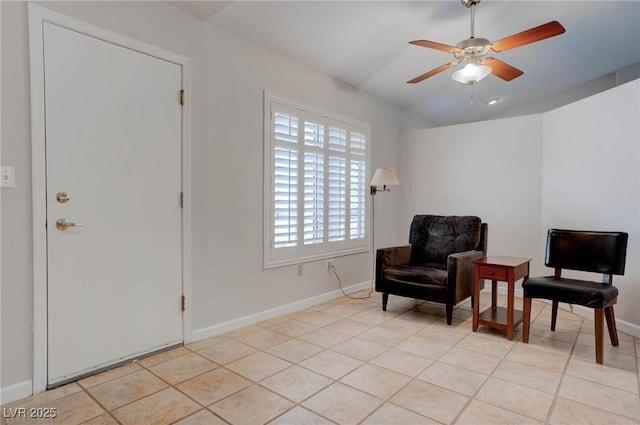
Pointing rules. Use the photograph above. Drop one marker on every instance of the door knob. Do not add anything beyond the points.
(64, 224)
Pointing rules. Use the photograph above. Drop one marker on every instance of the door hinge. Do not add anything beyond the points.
(181, 97)
(184, 301)
(181, 199)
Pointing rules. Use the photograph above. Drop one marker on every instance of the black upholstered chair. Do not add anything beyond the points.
(438, 265)
(597, 252)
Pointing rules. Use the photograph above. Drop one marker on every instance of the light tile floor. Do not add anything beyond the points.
(348, 362)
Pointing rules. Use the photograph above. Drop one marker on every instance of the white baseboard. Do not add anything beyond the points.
(220, 328)
(587, 313)
(622, 325)
(16, 392)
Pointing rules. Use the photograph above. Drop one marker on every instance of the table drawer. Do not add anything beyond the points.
(492, 272)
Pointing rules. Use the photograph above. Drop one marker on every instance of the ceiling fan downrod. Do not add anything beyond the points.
(472, 5)
(472, 49)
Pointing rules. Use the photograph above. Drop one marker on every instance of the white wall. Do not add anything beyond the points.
(573, 94)
(561, 98)
(576, 167)
(228, 79)
(16, 273)
(591, 176)
(234, 282)
(490, 169)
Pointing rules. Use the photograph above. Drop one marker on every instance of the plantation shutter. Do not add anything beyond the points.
(317, 168)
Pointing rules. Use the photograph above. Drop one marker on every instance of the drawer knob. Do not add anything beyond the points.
(492, 273)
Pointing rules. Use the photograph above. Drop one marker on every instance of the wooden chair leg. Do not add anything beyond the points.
(385, 300)
(554, 315)
(526, 319)
(611, 325)
(598, 316)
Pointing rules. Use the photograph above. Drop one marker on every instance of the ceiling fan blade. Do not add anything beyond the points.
(432, 72)
(434, 45)
(501, 69)
(550, 29)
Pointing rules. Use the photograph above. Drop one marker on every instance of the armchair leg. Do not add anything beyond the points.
(554, 315)
(598, 316)
(526, 319)
(385, 299)
(449, 308)
(611, 325)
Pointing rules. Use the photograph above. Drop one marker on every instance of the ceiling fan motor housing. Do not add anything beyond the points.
(474, 49)
(474, 43)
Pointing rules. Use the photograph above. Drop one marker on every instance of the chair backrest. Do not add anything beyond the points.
(433, 237)
(598, 252)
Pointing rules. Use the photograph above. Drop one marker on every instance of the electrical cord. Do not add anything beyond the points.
(335, 272)
(373, 247)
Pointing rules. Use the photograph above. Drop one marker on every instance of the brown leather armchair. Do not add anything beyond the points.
(437, 265)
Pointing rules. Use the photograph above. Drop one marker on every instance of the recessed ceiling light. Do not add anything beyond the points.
(494, 101)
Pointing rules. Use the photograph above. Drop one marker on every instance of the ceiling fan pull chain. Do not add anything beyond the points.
(473, 91)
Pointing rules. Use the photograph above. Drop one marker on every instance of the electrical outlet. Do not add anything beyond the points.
(300, 271)
(329, 265)
(8, 176)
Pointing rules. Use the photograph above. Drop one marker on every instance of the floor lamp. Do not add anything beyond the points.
(384, 177)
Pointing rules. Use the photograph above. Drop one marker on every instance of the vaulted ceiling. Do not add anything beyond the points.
(365, 43)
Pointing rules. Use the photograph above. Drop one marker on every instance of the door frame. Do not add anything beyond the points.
(37, 16)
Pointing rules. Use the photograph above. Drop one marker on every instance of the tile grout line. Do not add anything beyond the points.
(351, 337)
(337, 381)
(107, 411)
(169, 385)
(473, 398)
(254, 383)
(174, 386)
(557, 392)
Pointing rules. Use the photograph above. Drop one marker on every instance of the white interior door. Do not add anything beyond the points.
(113, 146)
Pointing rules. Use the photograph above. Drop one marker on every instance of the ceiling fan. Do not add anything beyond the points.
(476, 52)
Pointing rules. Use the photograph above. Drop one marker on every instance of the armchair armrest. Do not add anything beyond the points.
(393, 256)
(460, 269)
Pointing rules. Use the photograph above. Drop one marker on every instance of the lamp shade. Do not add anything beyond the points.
(385, 177)
(471, 73)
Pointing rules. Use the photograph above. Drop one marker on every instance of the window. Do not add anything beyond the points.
(316, 167)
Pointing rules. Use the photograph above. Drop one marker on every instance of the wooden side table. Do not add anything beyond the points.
(498, 268)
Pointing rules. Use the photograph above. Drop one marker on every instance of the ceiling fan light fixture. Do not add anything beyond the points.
(471, 74)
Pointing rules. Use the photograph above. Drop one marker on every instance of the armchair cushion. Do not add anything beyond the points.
(434, 238)
(429, 274)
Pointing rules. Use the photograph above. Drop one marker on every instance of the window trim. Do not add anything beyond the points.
(334, 249)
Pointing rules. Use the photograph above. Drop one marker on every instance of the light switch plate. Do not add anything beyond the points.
(8, 176)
